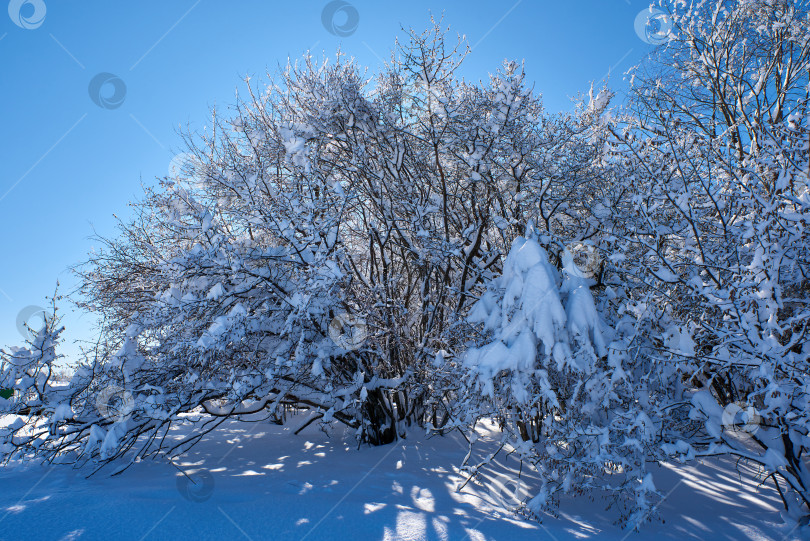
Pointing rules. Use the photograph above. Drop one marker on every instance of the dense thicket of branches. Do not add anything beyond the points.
(613, 287)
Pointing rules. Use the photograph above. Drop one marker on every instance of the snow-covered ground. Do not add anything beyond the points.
(266, 483)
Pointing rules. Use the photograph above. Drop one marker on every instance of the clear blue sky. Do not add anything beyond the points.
(68, 164)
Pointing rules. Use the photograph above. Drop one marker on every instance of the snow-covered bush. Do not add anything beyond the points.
(35, 398)
(549, 372)
(704, 292)
(712, 249)
(324, 198)
(407, 249)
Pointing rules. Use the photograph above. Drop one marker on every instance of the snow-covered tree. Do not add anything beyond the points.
(711, 252)
(319, 248)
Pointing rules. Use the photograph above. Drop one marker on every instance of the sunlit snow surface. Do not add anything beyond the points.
(266, 483)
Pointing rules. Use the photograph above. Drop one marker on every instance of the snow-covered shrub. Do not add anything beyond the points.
(35, 397)
(549, 372)
(322, 198)
(704, 289)
(712, 250)
(404, 249)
